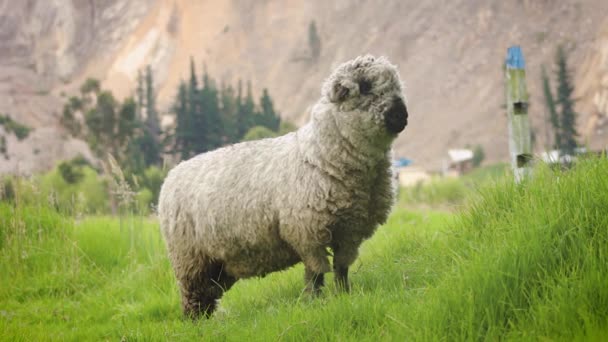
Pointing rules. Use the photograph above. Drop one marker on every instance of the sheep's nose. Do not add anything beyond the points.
(395, 118)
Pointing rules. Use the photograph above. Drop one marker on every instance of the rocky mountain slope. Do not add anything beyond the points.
(450, 55)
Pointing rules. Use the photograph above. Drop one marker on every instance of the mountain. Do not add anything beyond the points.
(450, 55)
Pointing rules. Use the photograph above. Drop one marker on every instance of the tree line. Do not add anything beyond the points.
(129, 132)
(207, 116)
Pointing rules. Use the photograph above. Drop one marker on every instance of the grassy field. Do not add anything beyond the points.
(518, 262)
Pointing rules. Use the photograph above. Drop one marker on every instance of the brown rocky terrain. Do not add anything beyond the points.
(450, 55)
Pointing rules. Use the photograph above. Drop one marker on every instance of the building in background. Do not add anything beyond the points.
(459, 162)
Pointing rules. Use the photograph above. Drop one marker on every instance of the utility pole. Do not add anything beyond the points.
(517, 109)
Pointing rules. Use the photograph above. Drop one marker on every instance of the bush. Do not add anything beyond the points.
(70, 173)
(20, 130)
(88, 193)
(286, 127)
(150, 184)
(259, 132)
(478, 155)
(7, 190)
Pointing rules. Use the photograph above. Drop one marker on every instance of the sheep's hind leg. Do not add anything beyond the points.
(201, 291)
(314, 281)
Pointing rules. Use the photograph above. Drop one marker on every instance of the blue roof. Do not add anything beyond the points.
(401, 162)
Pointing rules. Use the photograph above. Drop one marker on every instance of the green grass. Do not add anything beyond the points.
(440, 193)
(488, 173)
(452, 193)
(519, 262)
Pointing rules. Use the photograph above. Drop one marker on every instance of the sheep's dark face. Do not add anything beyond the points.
(368, 94)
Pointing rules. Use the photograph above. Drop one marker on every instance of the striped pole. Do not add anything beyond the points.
(517, 109)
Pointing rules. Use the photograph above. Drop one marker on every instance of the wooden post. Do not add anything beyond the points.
(517, 109)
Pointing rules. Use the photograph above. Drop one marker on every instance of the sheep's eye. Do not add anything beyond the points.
(365, 87)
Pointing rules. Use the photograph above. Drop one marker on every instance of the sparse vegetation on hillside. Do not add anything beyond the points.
(21, 131)
(3, 148)
(521, 261)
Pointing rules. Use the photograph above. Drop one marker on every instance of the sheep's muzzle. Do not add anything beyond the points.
(395, 118)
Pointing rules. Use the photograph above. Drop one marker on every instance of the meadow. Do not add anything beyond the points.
(504, 261)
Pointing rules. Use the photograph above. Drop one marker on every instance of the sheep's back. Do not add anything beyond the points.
(226, 197)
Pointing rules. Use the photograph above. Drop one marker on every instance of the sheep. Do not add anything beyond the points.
(262, 206)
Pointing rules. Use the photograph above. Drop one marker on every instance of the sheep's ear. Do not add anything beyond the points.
(341, 90)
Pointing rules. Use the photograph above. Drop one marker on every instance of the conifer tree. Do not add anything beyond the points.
(314, 41)
(152, 120)
(565, 90)
(550, 104)
(139, 94)
(248, 110)
(270, 119)
(127, 121)
(194, 131)
(229, 113)
(241, 122)
(212, 132)
(183, 121)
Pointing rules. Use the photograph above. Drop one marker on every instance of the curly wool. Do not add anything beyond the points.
(262, 206)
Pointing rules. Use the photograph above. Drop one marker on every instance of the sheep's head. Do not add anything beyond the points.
(368, 95)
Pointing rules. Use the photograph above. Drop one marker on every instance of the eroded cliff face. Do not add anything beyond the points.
(45, 48)
(592, 92)
(449, 54)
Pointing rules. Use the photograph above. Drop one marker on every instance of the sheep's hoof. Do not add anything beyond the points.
(342, 282)
(343, 287)
(314, 282)
(195, 309)
(313, 291)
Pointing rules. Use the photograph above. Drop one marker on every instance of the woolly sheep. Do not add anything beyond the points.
(262, 206)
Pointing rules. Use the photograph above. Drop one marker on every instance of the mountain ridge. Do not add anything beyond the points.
(449, 55)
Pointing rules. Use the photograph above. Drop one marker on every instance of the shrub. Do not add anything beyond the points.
(259, 132)
(88, 193)
(20, 130)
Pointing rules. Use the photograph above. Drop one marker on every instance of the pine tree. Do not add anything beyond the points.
(127, 121)
(194, 131)
(139, 94)
(106, 110)
(229, 113)
(550, 104)
(247, 111)
(314, 41)
(211, 111)
(270, 119)
(150, 136)
(565, 89)
(130, 155)
(183, 122)
(241, 120)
